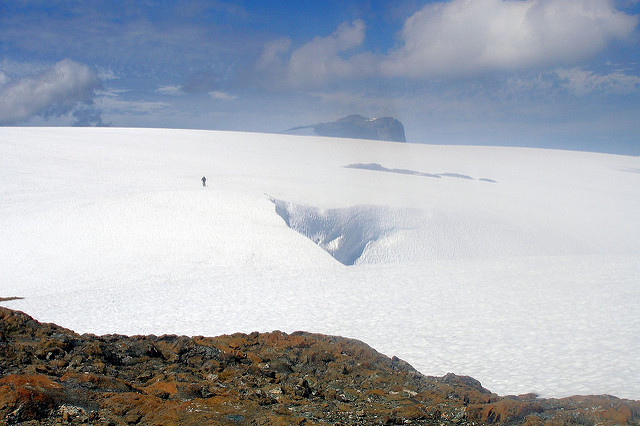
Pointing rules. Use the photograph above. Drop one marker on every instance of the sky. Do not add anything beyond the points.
(540, 73)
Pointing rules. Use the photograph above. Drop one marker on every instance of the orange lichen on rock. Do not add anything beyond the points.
(52, 375)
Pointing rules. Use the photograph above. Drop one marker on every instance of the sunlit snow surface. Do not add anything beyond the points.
(519, 267)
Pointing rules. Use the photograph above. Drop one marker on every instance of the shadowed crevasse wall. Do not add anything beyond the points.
(343, 233)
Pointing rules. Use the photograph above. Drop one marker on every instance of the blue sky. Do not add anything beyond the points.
(543, 73)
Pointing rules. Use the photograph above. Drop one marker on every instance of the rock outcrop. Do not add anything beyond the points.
(50, 375)
(359, 127)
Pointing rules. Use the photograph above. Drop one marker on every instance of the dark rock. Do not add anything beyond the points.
(359, 127)
(261, 378)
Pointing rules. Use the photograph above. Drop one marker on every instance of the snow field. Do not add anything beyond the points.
(529, 284)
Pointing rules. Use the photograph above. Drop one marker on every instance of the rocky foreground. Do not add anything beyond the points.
(51, 375)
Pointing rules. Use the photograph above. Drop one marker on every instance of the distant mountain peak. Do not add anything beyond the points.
(358, 127)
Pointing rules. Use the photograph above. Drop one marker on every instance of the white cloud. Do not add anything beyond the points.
(111, 102)
(55, 91)
(4, 79)
(107, 74)
(583, 82)
(272, 53)
(463, 37)
(221, 96)
(179, 90)
(456, 38)
(320, 60)
(575, 81)
(368, 103)
(170, 90)
(13, 68)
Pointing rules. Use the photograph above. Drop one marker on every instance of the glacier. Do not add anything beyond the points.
(523, 274)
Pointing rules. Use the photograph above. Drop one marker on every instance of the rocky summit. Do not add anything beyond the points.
(51, 375)
(359, 127)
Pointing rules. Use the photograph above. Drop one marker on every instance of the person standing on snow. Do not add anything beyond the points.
(204, 181)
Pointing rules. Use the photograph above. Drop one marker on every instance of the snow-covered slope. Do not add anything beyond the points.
(520, 267)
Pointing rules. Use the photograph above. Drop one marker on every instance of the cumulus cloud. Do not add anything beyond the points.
(456, 38)
(320, 60)
(272, 53)
(58, 90)
(467, 36)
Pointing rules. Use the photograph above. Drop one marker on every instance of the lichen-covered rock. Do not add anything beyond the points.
(50, 375)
